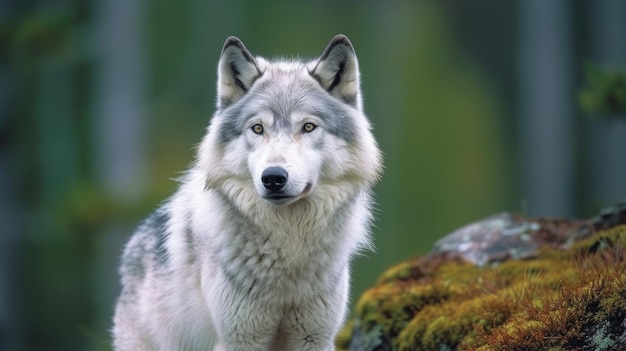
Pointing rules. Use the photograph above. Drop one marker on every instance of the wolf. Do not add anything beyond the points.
(252, 251)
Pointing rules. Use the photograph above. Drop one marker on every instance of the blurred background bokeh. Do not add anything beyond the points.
(475, 105)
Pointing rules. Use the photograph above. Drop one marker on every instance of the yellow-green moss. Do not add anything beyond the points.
(560, 300)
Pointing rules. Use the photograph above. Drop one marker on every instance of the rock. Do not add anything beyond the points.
(504, 283)
(507, 236)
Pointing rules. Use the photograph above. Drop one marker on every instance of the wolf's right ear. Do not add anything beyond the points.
(237, 71)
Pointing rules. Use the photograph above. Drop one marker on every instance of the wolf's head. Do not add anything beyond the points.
(285, 131)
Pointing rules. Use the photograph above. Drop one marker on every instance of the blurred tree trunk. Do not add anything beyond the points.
(606, 168)
(120, 131)
(11, 230)
(546, 107)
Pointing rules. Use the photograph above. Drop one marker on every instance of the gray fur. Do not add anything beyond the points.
(296, 95)
(145, 252)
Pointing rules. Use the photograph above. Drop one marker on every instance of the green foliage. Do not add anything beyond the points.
(604, 93)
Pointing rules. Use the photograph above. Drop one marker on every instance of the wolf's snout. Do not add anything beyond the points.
(274, 178)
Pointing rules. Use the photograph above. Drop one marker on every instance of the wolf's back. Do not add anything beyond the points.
(144, 252)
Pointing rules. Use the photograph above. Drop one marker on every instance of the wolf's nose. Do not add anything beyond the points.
(274, 178)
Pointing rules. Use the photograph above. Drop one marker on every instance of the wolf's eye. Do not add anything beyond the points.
(257, 129)
(308, 127)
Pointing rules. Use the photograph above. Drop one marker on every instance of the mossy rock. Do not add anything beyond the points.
(566, 295)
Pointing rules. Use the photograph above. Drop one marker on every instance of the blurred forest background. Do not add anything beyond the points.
(475, 104)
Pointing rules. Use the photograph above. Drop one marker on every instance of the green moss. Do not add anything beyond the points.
(577, 318)
(400, 271)
(453, 324)
(387, 309)
(571, 299)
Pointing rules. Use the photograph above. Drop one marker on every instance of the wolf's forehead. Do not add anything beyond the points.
(283, 91)
(297, 94)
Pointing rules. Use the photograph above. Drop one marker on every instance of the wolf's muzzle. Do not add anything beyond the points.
(274, 178)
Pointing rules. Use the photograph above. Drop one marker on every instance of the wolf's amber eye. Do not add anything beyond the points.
(257, 129)
(308, 127)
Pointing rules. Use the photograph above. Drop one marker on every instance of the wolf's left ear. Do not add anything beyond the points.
(338, 71)
(237, 71)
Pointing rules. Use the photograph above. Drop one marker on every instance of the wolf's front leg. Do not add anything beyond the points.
(313, 325)
(242, 323)
(253, 333)
(309, 326)
(308, 331)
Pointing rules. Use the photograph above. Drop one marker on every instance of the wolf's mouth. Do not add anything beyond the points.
(281, 198)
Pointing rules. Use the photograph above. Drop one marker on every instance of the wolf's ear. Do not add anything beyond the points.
(237, 71)
(338, 71)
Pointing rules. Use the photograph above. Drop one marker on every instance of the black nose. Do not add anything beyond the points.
(274, 178)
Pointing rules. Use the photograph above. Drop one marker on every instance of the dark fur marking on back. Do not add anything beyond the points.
(159, 223)
(134, 253)
(191, 253)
